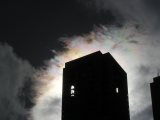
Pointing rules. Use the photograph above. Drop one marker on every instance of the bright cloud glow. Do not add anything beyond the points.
(130, 46)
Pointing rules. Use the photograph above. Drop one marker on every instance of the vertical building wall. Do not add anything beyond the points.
(155, 94)
(94, 88)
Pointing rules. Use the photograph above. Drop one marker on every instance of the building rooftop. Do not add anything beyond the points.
(93, 57)
(156, 79)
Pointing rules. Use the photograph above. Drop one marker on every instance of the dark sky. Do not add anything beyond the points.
(33, 28)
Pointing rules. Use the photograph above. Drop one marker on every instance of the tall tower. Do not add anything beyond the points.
(94, 88)
(155, 89)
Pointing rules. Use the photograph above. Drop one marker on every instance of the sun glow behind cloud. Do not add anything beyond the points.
(128, 45)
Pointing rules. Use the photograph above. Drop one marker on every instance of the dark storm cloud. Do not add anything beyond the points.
(139, 11)
(14, 72)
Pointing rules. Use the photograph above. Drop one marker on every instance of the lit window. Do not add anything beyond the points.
(72, 90)
(117, 90)
(72, 87)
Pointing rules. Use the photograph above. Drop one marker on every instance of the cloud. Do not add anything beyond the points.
(145, 114)
(14, 72)
(130, 46)
(49, 108)
(142, 12)
(134, 44)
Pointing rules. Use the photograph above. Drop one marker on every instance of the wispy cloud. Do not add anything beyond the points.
(142, 12)
(14, 72)
(130, 46)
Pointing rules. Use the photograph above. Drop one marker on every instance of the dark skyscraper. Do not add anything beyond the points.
(95, 88)
(155, 89)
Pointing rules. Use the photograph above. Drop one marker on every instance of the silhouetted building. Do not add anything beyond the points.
(94, 88)
(155, 94)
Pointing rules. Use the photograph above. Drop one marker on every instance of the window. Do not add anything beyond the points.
(72, 90)
(117, 90)
(72, 86)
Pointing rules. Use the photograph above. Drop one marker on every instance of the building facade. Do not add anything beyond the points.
(95, 88)
(155, 89)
